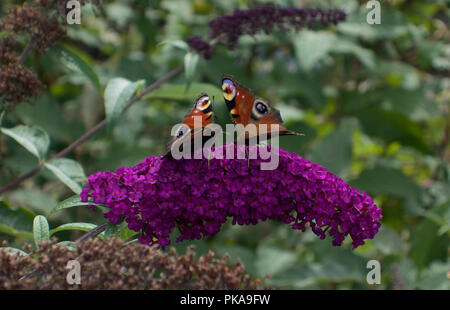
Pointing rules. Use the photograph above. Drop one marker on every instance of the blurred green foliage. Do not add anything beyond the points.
(372, 100)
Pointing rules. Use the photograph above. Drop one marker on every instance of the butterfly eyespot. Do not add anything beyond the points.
(228, 89)
(181, 131)
(261, 107)
(203, 103)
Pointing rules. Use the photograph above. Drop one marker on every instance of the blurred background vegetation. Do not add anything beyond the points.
(373, 101)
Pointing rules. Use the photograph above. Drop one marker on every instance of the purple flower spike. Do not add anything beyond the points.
(197, 196)
(228, 28)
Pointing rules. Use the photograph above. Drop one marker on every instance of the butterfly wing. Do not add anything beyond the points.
(202, 112)
(239, 100)
(202, 108)
(245, 108)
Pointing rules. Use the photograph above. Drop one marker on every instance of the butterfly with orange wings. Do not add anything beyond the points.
(202, 109)
(246, 109)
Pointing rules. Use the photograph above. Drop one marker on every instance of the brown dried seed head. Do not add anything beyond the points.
(111, 264)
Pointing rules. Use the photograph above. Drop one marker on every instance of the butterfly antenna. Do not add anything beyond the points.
(293, 133)
(214, 113)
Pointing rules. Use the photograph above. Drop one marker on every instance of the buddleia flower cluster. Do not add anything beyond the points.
(197, 196)
(228, 28)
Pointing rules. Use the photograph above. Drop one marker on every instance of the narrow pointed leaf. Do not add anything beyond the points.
(73, 201)
(40, 229)
(70, 58)
(16, 222)
(118, 93)
(190, 66)
(69, 172)
(73, 226)
(34, 139)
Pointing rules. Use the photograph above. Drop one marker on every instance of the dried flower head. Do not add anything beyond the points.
(198, 196)
(17, 83)
(227, 29)
(112, 264)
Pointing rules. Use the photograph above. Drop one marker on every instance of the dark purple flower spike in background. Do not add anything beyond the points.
(227, 29)
(198, 196)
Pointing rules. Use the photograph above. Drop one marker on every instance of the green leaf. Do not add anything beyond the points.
(334, 152)
(426, 243)
(70, 202)
(408, 274)
(312, 46)
(180, 44)
(40, 229)
(388, 242)
(300, 276)
(383, 180)
(68, 171)
(114, 229)
(340, 266)
(55, 124)
(127, 234)
(244, 254)
(119, 13)
(35, 199)
(336, 263)
(71, 58)
(16, 222)
(393, 25)
(2, 113)
(298, 144)
(190, 66)
(34, 139)
(118, 93)
(413, 104)
(74, 201)
(435, 277)
(179, 92)
(272, 260)
(365, 56)
(12, 251)
(73, 226)
(392, 126)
